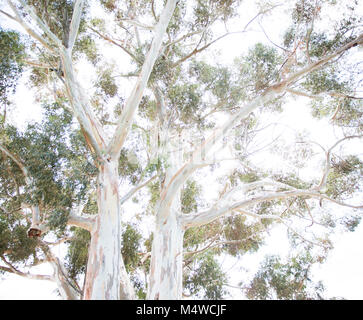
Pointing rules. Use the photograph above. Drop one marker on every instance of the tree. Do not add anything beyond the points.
(72, 175)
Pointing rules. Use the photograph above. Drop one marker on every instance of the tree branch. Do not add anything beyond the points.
(74, 27)
(68, 290)
(316, 65)
(198, 219)
(314, 96)
(83, 221)
(115, 43)
(12, 269)
(138, 24)
(134, 99)
(134, 190)
(90, 125)
(196, 50)
(40, 23)
(270, 93)
(37, 64)
(28, 180)
(8, 15)
(18, 162)
(28, 29)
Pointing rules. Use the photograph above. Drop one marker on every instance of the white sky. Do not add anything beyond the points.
(342, 274)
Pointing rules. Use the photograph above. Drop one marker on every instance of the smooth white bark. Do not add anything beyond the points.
(105, 268)
(166, 269)
(202, 218)
(134, 99)
(76, 19)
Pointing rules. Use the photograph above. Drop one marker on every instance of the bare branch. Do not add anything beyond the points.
(208, 216)
(28, 29)
(67, 288)
(268, 38)
(314, 96)
(9, 15)
(190, 34)
(84, 221)
(40, 23)
(134, 99)
(115, 43)
(198, 50)
(90, 125)
(74, 27)
(12, 269)
(37, 64)
(134, 190)
(138, 24)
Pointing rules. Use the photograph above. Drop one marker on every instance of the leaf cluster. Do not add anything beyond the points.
(285, 281)
(11, 67)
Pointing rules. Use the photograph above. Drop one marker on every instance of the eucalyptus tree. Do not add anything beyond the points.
(73, 174)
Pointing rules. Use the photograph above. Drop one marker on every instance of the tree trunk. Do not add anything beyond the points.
(166, 277)
(166, 270)
(105, 269)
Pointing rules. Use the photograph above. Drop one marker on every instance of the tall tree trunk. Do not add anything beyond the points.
(166, 271)
(105, 269)
(166, 277)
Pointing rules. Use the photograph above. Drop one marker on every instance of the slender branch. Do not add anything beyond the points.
(138, 24)
(196, 50)
(304, 238)
(134, 190)
(314, 96)
(268, 38)
(153, 10)
(115, 43)
(8, 15)
(190, 34)
(37, 64)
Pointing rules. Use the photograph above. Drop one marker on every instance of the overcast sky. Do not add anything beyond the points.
(342, 274)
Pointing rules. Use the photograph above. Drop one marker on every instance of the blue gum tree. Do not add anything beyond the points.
(146, 128)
